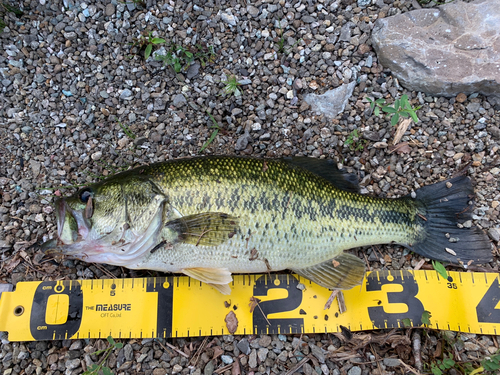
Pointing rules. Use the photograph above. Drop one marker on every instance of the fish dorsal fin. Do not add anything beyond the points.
(328, 170)
(343, 272)
(205, 229)
(218, 276)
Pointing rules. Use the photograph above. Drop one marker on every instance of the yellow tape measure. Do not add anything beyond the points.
(182, 307)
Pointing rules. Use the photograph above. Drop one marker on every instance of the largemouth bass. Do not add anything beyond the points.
(213, 216)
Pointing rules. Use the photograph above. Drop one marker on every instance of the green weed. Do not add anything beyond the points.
(492, 363)
(216, 128)
(443, 365)
(354, 142)
(126, 130)
(146, 40)
(401, 108)
(96, 367)
(138, 3)
(231, 87)
(436, 2)
(281, 43)
(6, 8)
(180, 58)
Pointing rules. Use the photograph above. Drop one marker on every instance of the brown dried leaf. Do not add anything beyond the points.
(235, 370)
(13, 263)
(437, 353)
(231, 322)
(402, 148)
(335, 263)
(253, 304)
(217, 349)
(402, 127)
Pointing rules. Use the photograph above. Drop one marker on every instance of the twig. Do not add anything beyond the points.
(331, 298)
(222, 369)
(264, 315)
(366, 260)
(173, 348)
(416, 350)
(341, 302)
(104, 270)
(419, 264)
(409, 368)
(298, 365)
(198, 352)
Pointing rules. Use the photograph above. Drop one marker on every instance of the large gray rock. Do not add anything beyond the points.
(444, 51)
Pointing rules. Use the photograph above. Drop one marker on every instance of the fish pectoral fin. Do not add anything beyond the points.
(342, 272)
(213, 276)
(222, 288)
(205, 229)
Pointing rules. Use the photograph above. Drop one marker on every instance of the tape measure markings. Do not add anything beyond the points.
(175, 306)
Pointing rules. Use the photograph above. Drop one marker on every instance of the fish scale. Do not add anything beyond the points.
(212, 216)
(274, 194)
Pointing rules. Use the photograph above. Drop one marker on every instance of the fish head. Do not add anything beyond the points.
(116, 221)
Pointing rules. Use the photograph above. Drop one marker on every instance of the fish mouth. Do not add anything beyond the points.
(72, 226)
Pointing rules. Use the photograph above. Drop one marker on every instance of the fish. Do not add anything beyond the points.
(211, 217)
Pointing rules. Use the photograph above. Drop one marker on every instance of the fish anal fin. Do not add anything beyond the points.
(216, 276)
(205, 229)
(342, 272)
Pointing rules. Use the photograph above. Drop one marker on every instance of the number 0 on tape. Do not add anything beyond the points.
(258, 304)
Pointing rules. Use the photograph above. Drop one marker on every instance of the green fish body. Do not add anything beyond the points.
(213, 216)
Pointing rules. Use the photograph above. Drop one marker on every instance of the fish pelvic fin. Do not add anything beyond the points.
(216, 277)
(205, 229)
(440, 207)
(342, 272)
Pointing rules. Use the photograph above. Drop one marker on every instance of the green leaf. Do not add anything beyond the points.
(92, 367)
(189, 54)
(490, 366)
(210, 140)
(406, 322)
(435, 370)
(380, 101)
(438, 266)
(110, 340)
(377, 111)
(396, 104)
(158, 40)
(395, 119)
(404, 101)
(389, 109)
(426, 317)
(177, 66)
(414, 117)
(448, 363)
(106, 371)
(119, 345)
(148, 50)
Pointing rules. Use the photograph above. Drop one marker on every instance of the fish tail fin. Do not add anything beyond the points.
(442, 207)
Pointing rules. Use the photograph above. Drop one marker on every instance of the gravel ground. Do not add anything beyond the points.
(72, 81)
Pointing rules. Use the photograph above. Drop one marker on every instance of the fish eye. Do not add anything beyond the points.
(85, 194)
